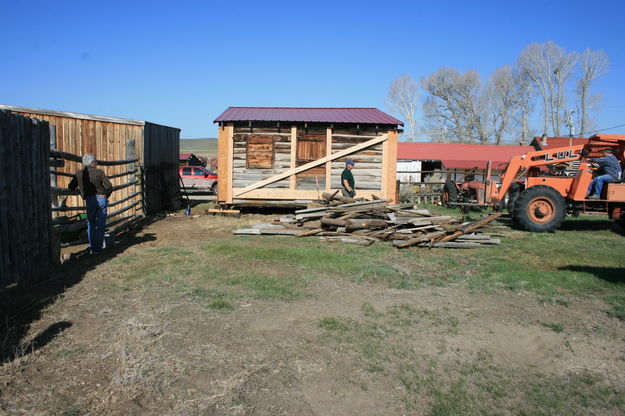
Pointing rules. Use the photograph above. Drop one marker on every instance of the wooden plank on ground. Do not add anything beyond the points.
(309, 232)
(413, 241)
(224, 212)
(246, 231)
(467, 228)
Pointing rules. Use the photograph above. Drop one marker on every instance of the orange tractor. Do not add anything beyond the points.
(539, 188)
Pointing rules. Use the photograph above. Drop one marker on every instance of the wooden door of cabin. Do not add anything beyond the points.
(311, 147)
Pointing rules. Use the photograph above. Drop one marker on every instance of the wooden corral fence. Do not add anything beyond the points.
(161, 152)
(40, 151)
(25, 231)
(155, 146)
(124, 209)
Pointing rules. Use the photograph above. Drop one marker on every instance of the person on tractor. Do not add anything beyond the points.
(611, 172)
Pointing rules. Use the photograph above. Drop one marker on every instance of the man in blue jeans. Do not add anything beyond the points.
(95, 188)
(611, 171)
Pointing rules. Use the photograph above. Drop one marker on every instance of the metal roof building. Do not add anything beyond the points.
(290, 156)
(302, 114)
(461, 156)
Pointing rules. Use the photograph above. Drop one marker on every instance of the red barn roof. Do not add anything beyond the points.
(185, 156)
(322, 115)
(461, 156)
(554, 142)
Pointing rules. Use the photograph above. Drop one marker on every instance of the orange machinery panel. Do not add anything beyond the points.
(561, 184)
(616, 192)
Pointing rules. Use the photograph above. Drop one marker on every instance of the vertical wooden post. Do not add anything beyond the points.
(487, 182)
(55, 242)
(222, 164)
(131, 153)
(225, 149)
(293, 178)
(329, 162)
(53, 181)
(384, 170)
(230, 139)
(389, 167)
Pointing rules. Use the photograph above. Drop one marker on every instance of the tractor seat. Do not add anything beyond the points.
(622, 180)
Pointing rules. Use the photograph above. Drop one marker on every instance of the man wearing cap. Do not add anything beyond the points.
(95, 188)
(611, 171)
(347, 180)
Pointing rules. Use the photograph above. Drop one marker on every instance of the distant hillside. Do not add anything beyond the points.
(200, 147)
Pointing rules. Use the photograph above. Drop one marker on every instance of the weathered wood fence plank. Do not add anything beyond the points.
(25, 223)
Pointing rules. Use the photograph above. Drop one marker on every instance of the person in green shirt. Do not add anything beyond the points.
(347, 180)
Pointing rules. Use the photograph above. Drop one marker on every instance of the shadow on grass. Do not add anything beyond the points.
(609, 274)
(585, 224)
(22, 304)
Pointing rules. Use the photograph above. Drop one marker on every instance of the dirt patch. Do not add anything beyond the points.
(129, 349)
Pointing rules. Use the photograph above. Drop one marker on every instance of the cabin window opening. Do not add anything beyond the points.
(260, 152)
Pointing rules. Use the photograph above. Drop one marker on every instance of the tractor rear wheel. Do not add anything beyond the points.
(450, 193)
(540, 209)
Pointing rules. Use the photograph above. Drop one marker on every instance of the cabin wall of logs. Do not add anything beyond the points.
(273, 163)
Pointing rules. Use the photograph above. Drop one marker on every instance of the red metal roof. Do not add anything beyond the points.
(461, 156)
(553, 142)
(321, 115)
(185, 156)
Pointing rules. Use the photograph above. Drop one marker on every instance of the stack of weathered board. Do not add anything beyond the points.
(367, 221)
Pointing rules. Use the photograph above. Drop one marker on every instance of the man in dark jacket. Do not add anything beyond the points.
(347, 180)
(95, 188)
(611, 171)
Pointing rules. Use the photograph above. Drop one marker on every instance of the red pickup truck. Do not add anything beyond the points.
(198, 177)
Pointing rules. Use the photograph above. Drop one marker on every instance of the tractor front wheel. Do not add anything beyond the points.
(540, 209)
(513, 194)
(450, 193)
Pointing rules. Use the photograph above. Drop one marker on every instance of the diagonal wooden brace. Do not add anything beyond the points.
(325, 159)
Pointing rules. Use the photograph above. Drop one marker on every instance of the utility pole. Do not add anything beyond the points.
(571, 126)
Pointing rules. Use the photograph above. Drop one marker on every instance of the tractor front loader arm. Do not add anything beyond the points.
(529, 160)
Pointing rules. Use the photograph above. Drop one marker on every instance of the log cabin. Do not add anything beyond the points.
(290, 156)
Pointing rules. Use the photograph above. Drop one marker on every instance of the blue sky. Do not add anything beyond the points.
(181, 63)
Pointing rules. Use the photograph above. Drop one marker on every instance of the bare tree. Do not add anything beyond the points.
(403, 99)
(564, 67)
(593, 64)
(532, 63)
(549, 68)
(506, 96)
(454, 109)
(525, 107)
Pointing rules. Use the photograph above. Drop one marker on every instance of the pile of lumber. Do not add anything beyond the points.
(367, 221)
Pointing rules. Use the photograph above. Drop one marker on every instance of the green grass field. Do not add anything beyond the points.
(533, 326)
(200, 147)
(582, 260)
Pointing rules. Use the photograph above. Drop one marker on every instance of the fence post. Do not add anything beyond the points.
(131, 154)
(55, 241)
